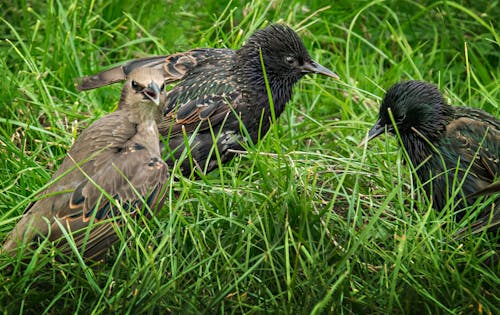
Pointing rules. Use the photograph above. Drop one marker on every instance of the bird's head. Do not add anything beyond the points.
(413, 105)
(283, 52)
(144, 86)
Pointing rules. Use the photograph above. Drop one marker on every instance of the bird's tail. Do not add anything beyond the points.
(118, 73)
(488, 190)
(23, 233)
(489, 222)
(485, 222)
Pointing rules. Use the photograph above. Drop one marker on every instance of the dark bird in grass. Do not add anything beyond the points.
(118, 154)
(221, 93)
(453, 149)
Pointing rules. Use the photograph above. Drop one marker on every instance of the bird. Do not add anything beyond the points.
(447, 145)
(221, 96)
(118, 155)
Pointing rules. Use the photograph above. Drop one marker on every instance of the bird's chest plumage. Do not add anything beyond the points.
(144, 143)
(260, 103)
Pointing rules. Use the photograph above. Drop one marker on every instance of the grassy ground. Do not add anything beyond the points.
(304, 222)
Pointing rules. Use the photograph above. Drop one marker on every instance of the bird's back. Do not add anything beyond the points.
(100, 159)
(470, 149)
(210, 76)
(476, 132)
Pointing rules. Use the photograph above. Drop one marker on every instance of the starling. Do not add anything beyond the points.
(118, 154)
(221, 93)
(450, 147)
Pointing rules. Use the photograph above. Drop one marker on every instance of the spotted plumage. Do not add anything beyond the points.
(219, 88)
(452, 148)
(118, 154)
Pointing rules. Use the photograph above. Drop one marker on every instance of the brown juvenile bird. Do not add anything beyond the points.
(222, 93)
(118, 154)
(446, 144)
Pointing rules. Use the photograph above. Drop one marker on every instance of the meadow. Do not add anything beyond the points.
(303, 222)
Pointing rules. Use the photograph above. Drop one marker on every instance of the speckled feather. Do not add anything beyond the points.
(218, 87)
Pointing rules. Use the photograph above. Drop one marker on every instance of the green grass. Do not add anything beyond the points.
(304, 221)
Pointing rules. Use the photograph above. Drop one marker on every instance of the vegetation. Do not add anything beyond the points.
(302, 222)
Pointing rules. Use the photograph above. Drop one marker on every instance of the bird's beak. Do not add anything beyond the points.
(152, 91)
(376, 131)
(314, 67)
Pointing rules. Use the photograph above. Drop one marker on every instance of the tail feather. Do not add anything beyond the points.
(488, 221)
(488, 190)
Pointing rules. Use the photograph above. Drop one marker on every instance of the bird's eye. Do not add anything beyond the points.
(135, 85)
(162, 87)
(290, 60)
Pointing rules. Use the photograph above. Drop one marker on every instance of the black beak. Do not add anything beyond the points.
(152, 91)
(314, 67)
(376, 131)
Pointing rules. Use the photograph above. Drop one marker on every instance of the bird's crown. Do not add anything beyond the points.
(412, 103)
(280, 45)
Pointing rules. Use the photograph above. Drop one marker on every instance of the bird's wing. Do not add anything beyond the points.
(126, 179)
(118, 73)
(475, 136)
(96, 145)
(177, 66)
(207, 110)
(471, 135)
(93, 148)
(206, 94)
(174, 66)
(90, 156)
(133, 180)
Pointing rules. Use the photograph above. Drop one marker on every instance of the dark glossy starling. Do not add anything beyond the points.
(447, 145)
(219, 88)
(118, 154)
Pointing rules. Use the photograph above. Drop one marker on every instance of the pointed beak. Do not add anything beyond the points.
(314, 67)
(152, 91)
(376, 131)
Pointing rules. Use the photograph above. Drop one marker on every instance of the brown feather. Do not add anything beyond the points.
(118, 156)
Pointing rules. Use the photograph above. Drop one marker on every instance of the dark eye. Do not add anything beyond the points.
(162, 87)
(135, 85)
(290, 60)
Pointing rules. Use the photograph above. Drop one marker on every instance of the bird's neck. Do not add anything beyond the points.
(147, 136)
(145, 117)
(424, 141)
(252, 72)
(418, 146)
(142, 113)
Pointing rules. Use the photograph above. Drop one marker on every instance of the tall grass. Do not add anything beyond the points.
(303, 221)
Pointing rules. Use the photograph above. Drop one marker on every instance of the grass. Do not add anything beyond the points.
(304, 221)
